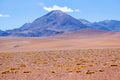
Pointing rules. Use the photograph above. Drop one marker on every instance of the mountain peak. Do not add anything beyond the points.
(56, 13)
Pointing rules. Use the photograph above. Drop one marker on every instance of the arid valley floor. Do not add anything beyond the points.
(60, 58)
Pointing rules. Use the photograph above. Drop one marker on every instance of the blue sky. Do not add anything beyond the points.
(14, 13)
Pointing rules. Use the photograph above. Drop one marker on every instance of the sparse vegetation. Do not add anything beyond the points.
(22, 65)
(53, 71)
(101, 70)
(113, 65)
(26, 71)
(60, 62)
(6, 72)
(90, 72)
(11, 70)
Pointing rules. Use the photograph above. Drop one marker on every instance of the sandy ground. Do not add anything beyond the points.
(69, 41)
(89, 64)
(60, 58)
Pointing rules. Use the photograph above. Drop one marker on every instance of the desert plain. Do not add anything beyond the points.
(61, 57)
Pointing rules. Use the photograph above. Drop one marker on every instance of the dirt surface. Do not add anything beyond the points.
(89, 64)
(62, 57)
(66, 41)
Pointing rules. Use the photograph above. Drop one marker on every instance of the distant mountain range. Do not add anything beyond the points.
(110, 25)
(57, 22)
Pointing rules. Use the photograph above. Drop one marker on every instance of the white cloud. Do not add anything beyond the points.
(4, 15)
(64, 9)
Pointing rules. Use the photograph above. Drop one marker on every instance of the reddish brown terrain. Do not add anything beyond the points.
(63, 57)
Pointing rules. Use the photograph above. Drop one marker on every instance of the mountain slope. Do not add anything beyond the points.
(58, 21)
(85, 22)
(3, 33)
